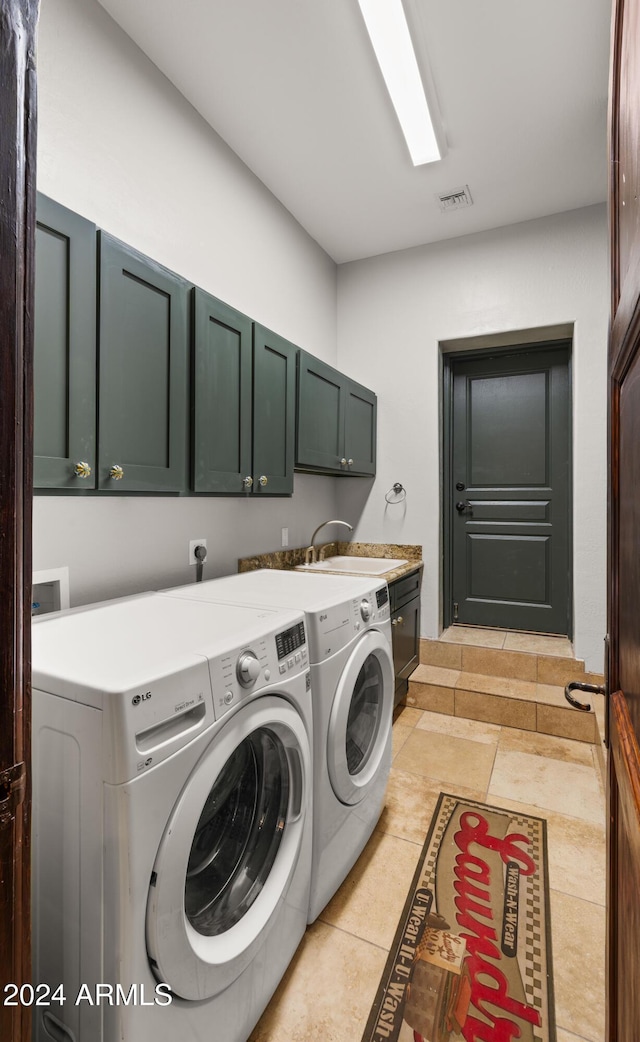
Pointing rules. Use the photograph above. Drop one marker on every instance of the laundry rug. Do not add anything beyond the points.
(471, 958)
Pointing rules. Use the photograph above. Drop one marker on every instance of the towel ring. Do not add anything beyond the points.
(397, 490)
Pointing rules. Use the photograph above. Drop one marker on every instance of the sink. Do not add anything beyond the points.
(354, 565)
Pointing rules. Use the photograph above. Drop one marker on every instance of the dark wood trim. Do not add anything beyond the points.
(614, 148)
(18, 20)
(626, 762)
(447, 520)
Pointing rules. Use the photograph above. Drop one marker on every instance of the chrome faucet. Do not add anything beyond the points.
(310, 556)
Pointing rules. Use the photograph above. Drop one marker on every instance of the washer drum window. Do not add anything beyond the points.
(229, 850)
(360, 724)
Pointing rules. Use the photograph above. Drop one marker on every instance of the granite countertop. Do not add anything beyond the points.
(289, 559)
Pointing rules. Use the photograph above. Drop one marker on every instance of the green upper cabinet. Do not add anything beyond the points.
(143, 373)
(64, 349)
(360, 429)
(243, 403)
(274, 412)
(336, 421)
(221, 396)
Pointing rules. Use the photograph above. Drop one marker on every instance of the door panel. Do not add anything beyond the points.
(320, 437)
(18, 118)
(221, 395)
(360, 429)
(274, 410)
(143, 372)
(65, 348)
(509, 496)
(623, 711)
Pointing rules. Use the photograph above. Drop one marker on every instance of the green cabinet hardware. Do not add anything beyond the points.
(404, 598)
(143, 372)
(243, 403)
(64, 348)
(336, 431)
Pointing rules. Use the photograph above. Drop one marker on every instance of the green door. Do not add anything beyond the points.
(143, 373)
(65, 348)
(360, 429)
(509, 491)
(321, 395)
(336, 421)
(221, 396)
(274, 412)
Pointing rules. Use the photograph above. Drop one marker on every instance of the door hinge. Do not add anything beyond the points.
(455, 611)
(12, 789)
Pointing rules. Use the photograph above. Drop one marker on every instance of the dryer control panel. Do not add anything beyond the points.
(334, 628)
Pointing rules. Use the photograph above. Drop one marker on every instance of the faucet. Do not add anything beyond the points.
(310, 556)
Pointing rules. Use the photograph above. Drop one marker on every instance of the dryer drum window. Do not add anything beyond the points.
(365, 712)
(238, 834)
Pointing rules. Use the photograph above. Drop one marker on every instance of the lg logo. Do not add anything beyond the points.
(137, 699)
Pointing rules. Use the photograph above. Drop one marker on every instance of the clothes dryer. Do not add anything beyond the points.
(171, 817)
(352, 681)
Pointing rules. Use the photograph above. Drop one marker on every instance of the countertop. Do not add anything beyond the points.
(290, 558)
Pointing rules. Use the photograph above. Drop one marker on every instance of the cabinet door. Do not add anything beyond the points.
(142, 373)
(221, 396)
(321, 410)
(274, 412)
(405, 638)
(65, 348)
(360, 429)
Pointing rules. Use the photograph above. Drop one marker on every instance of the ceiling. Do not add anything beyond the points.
(294, 88)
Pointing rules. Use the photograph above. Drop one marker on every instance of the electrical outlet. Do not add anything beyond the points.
(192, 546)
(285, 536)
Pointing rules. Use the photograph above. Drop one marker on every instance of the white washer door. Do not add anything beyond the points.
(229, 850)
(360, 721)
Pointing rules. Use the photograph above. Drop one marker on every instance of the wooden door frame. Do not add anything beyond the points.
(18, 19)
(448, 358)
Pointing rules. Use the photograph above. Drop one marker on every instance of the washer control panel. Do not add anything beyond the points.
(248, 669)
(290, 640)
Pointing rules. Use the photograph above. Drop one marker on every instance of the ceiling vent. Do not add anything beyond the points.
(456, 199)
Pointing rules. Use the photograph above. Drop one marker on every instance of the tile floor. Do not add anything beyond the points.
(509, 640)
(328, 989)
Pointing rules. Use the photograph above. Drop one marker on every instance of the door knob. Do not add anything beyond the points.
(461, 507)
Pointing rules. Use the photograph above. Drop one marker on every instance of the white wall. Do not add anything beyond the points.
(119, 145)
(393, 312)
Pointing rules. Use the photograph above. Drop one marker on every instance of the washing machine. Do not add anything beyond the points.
(352, 681)
(172, 745)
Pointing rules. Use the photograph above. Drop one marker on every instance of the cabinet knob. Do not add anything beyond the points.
(398, 621)
(349, 462)
(248, 481)
(262, 480)
(82, 470)
(343, 461)
(116, 472)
